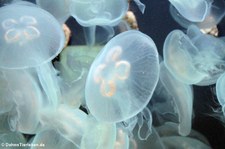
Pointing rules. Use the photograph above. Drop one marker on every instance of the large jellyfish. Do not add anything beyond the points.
(123, 77)
(90, 13)
(194, 54)
(31, 37)
(193, 10)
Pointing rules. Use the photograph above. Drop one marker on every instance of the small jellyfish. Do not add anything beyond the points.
(194, 54)
(123, 77)
(98, 12)
(27, 98)
(214, 16)
(193, 10)
(29, 36)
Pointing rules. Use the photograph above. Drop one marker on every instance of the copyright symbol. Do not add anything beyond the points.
(2, 144)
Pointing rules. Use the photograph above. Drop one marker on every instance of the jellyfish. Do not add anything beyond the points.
(214, 16)
(220, 92)
(193, 10)
(183, 98)
(98, 135)
(194, 54)
(67, 121)
(90, 13)
(58, 8)
(30, 38)
(26, 96)
(123, 77)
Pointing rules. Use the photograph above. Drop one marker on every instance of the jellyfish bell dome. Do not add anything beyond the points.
(123, 77)
(29, 36)
(98, 12)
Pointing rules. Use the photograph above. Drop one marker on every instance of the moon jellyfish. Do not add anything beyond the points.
(123, 77)
(29, 36)
(27, 98)
(51, 139)
(194, 54)
(215, 15)
(58, 8)
(68, 122)
(98, 12)
(98, 135)
(183, 97)
(193, 10)
(220, 86)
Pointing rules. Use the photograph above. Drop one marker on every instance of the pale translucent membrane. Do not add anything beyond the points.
(51, 139)
(141, 121)
(211, 54)
(97, 35)
(98, 12)
(153, 142)
(215, 15)
(68, 122)
(171, 129)
(220, 93)
(162, 105)
(122, 139)
(6, 103)
(98, 135)
(193, 10)
(178, 51)
(47, 76)
(26, 94)
(183, 98)
(123, 77)
(140, 5)
(178, 142)
(58, 8)
(11, 137)
(198, 55)
(4, 125)
(29, 36)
